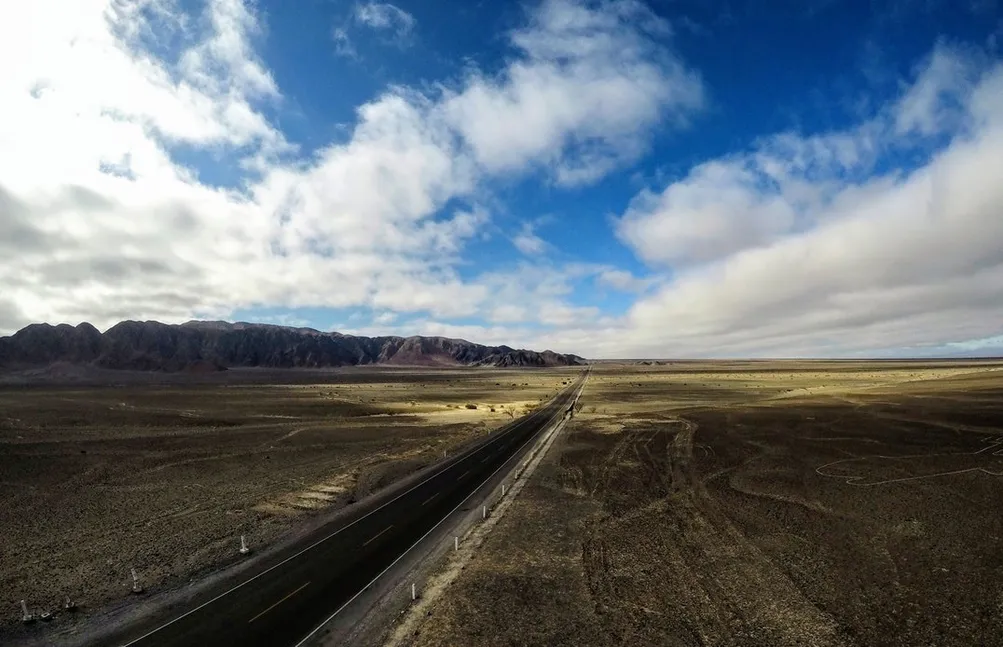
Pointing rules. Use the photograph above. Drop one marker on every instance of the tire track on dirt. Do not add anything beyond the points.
(675, 550)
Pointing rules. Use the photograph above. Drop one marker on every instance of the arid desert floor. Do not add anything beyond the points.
(753, 503)
(164, 476)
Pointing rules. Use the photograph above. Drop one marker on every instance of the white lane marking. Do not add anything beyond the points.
(371, 539)
(462, 475)
(422, 538)
(458, 459)
(278, 603)
(430, 498)
(486, 458)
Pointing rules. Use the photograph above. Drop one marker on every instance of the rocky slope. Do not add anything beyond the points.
(215, 345)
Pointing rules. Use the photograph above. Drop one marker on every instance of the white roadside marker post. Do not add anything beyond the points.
(136, 588)
(503, 489)
(456, 543)
(26, 617)
(414, 592)
(484, 512)
(243, 546)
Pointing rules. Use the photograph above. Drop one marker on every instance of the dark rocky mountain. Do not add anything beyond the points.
(202, 346)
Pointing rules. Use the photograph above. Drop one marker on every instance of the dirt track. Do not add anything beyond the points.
(723, 511)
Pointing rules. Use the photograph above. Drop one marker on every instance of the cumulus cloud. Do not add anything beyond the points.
(842, 258)
(109, 224)
(582, 96)
(718, 209)
(791, 181)
(821, 243)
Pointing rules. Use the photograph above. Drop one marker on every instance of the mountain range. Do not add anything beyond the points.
(218, 345)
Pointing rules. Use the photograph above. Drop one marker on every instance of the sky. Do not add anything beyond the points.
(629, 178)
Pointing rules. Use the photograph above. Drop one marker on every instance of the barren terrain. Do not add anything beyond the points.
(753, 503)
(166, 475)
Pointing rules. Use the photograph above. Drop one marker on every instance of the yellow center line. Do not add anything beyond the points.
(430, 498)
(378, 534)
(278, 603)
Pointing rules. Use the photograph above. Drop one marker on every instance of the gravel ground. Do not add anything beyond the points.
(790, 505)
(165, 478)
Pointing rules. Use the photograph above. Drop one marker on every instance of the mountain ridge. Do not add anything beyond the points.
(217, 345)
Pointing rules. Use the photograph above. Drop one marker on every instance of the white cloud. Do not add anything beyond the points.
(536, 293)
(622, 280)
(385, 318)
(225, 60)
(931, 105)
(583, 96)
(383, 15)
(527, 242)
(121, 230)
(113, 227)
(343, 45)
(395, 25)
(508, 313)
(554, 313)
(718, 209)
(908, 257)
(797, 246)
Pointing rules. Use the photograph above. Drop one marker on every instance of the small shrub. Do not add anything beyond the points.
(471, 406)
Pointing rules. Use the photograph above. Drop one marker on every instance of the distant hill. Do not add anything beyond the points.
(205, 346)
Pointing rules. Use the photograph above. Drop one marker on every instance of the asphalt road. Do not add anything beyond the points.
(283, 603)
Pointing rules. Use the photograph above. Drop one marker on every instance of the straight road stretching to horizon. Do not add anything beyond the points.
(283, 603)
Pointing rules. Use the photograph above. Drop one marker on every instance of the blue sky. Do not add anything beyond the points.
(615, 179)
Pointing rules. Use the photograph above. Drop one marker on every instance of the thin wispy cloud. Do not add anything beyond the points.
(528, 242)
(343, 45)
(390, 23)
(385, 16)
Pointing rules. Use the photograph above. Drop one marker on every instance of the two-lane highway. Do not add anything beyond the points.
(286, 601)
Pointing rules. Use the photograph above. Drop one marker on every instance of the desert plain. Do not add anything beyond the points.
(760, 503)
(164, 473)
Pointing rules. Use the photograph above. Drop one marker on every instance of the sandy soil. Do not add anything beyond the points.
(753, 504)
(164, 478)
